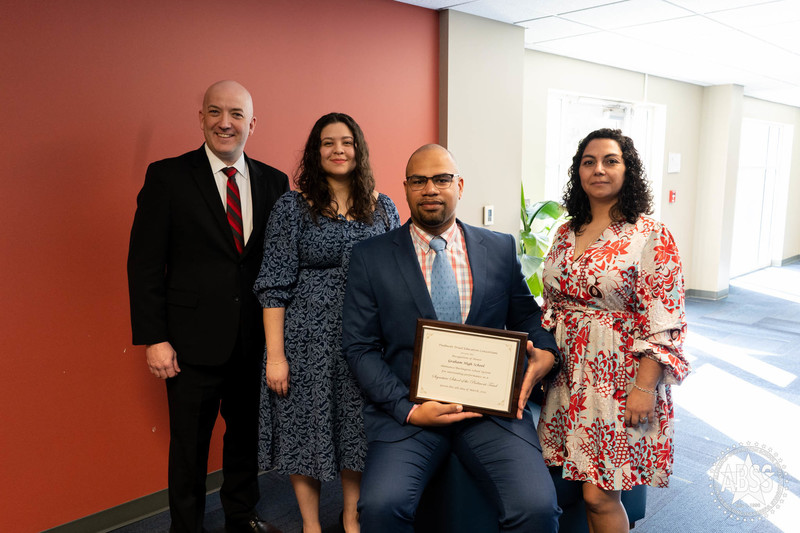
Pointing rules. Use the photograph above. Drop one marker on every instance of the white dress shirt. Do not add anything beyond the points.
(242, 180)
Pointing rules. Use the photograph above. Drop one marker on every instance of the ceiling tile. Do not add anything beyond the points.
(757, 56)
(752, 43)
(510, 11)
(747, 18)
(620, 15)
(783, 35)
(550, 28)
(559, 7)
(710, 6)
(638, 56)
(435, 4)
(695, 35)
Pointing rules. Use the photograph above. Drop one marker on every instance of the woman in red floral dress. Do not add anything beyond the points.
(613, 298)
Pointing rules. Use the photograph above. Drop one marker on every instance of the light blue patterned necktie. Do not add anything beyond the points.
(444, 291)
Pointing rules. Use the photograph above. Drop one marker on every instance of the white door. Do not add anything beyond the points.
(570, 117)
(760, 210)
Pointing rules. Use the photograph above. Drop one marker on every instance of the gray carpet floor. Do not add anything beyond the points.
(743, 392)
(277, 505)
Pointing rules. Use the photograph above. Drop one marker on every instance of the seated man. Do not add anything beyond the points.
(389, 287)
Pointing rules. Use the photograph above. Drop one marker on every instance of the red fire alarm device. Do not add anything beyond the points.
(672, 196)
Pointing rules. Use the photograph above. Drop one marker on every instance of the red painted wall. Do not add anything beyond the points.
(92, 91)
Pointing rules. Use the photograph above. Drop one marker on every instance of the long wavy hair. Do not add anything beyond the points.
(635, 197)
(311, 179)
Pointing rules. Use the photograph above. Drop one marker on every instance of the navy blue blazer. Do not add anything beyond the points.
(386, 293)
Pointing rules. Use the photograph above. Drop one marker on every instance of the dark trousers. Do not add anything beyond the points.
(195, 397)
(509, 470)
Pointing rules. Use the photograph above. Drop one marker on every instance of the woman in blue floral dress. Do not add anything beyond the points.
(311, 424)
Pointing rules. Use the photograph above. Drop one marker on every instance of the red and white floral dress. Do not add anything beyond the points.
(621, 300)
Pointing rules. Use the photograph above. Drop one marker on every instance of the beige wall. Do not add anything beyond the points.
(493, 116)
(481, 91)
(683, 103)
(718, 167)
(686, 105)
(546, 71)
(791, 241)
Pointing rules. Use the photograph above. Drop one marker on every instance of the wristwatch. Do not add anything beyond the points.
(556, 363)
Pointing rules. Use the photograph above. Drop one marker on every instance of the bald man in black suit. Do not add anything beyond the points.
(193, 307)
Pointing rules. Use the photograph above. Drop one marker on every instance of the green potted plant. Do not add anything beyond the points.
(539, 221)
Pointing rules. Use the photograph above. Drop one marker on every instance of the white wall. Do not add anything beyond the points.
(768, 111)
(493, 116)
(683, 102)
(791, 242)
(718, 168)
(685, 105)
(480, 109)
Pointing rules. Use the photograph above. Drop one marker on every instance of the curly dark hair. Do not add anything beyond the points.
(310, 178)
(635, 197)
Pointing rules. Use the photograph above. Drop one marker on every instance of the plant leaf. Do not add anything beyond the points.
(526, 224)
(535, 285)
(529, 243)
(530, 264)
(538, 221)
(552, 209)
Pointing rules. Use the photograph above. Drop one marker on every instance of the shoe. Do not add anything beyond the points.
(253, 525)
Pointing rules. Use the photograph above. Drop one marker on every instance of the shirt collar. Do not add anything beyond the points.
(423, 239)
(217, 164)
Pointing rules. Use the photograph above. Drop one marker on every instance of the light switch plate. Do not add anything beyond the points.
(488, 215)
(674, 163)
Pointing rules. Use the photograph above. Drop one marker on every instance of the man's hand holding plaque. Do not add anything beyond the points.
(433, 413)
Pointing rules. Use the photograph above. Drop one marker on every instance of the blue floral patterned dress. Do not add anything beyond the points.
(317, 430)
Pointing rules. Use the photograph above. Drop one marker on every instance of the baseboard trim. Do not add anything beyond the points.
(707, 295)
(790, 260)
(129, 512)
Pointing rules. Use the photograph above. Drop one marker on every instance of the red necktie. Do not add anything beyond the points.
(234, 208)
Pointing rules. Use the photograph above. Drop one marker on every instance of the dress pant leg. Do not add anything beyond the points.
(240, 404)
(395, 476)
(193, 397)
(512, 473)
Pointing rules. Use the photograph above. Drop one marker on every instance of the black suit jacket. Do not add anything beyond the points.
(188, 285)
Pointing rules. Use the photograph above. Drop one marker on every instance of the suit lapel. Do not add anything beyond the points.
(257, 194)
(407, 261)
(477, 254)
(406, 258)
(204, 179)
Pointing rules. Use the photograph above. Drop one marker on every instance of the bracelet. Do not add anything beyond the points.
(648, 391)
(278, 363)
(556, 359)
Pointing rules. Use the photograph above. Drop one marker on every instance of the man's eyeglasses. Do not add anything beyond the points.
(441, 181)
